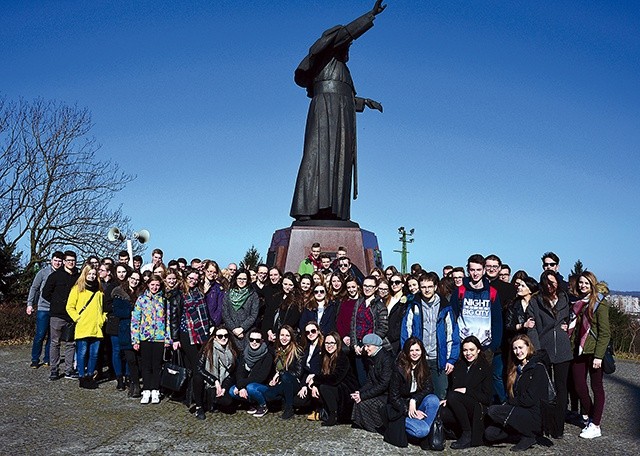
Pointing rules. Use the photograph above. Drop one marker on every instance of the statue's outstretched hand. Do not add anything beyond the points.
(372, 104)
(378, 7)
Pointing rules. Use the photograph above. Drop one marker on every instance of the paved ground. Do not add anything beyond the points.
(38, 417)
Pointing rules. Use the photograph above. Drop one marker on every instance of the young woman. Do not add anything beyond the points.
(396, 308)
(590, 334)
(189, 325)
(84, 306)
(306, 289)
(550, 311)
(390, 271)
(291, 305)
(253, 372)
(469, 395)
(517, 319)
(124, 298)
(122, 271)
(213, 292)
(320, 311)
(150, 334)
(272, 301)
(311, 363)
(215, 372)
(335, 382)
(240, 307)
(412, 286)
(288, 363)
(373, 394)
(383, 290)
(412, 406)
(318, 278)
(527, 386)
(337, 288)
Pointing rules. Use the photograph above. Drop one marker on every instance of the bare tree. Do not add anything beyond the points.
(54, 192)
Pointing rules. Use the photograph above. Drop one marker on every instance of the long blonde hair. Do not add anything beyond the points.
(81, 283)
(513, 363)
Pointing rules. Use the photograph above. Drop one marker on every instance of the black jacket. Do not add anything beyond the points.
(313, 366)
(400, 391)
(394, 319)
(56, 290)
(259, 373)
(477, 379)
(547, 333)
(341, 375)
(379, 375)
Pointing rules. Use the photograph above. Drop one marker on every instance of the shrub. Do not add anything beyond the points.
(15, 325)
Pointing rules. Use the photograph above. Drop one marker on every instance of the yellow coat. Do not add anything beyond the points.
(90, 321)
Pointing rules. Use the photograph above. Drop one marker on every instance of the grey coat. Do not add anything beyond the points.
(547, 333)
(245, 317)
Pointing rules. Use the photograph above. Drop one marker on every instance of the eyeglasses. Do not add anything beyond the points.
(492, 267)
(330, 343)
(255, 339)
(344, 265)
(319, 291)
(241, 279)
(383, 289)
(396, 282)
(194, 279)
(368, 286)
(311, 331)
(133, 279)
(222, 336)
(70, 260)
(549, 265)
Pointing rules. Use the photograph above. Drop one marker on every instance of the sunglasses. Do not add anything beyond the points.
(396, 282)
(319, 291)
(255, 339)
(222, 336)
(311, 331)
(550, 265)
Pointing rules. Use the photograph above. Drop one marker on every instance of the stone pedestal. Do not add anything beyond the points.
(289, 246)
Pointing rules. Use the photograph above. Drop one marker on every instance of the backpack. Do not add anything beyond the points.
(493, 294)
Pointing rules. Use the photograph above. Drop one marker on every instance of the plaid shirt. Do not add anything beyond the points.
(364, 321)
(195, 317)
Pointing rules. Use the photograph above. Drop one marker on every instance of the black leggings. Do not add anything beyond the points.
(151, 354)
(133, 361)
(199, 391)
(461, 406)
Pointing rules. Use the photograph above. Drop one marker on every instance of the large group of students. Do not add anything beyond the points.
(477, 348)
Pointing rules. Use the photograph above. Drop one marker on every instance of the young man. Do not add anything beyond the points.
(312, 263)
(552, 261)
(156, 260)
(457, 274)
(137, 263)
(505, 273)
(56, 290)
(506, 294)
(123, 257)
(326, 262)
(477, 309)
(345, 267)
(35, 301)
(431, 320)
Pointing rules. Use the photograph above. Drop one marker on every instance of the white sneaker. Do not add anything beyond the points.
(155, 397)
(591, 432)
(146, 395)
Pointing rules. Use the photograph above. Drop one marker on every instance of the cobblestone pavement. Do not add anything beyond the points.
(39, 417)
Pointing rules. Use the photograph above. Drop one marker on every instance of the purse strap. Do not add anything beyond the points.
(85, 306)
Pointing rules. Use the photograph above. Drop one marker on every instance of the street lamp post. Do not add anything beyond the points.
(405, 238)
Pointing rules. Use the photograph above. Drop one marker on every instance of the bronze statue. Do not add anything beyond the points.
(323, 185)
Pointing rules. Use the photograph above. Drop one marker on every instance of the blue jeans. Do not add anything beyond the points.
(255, 391)
(421, 428)
(120, 368)
(439, 378)
(498, 383)
(42, 331)
(91, 345)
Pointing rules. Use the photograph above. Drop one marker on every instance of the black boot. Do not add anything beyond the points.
(81, 382)
(135, 391)
(331, 420)
(288, 413)
(524, 444)
(463, 442)
(120, 384)
(200, 413)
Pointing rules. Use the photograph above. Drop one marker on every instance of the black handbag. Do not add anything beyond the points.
(68, 333)
(174, 374)
(608, 361)
(112, 326)
(436, 436)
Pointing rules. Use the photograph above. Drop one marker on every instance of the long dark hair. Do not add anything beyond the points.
(329, 360)
(207, 348)
(406, 365)
(475, 341)
(544, 289)
(294, 297)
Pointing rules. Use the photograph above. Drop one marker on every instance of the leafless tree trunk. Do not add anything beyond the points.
(54, 192)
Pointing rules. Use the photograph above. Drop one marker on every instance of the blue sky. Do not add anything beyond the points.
(508, 127)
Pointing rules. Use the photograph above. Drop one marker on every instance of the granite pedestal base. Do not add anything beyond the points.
(289, 246)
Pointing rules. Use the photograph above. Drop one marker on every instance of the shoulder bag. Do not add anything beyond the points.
(68, 333)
